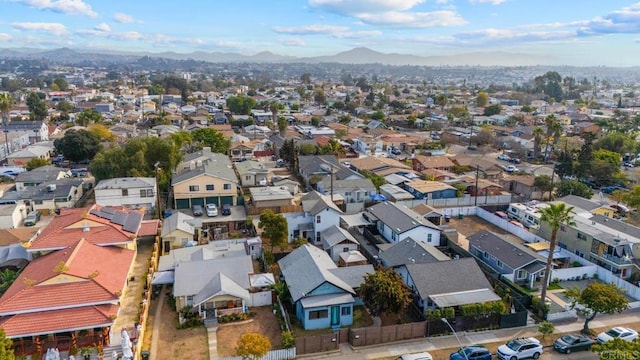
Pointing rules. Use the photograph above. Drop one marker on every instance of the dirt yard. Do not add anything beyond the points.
(183, 344)
(264, 323)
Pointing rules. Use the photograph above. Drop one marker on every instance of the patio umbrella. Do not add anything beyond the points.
(127, 352)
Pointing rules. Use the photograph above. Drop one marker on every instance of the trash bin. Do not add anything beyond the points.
(447, 217)
(144, 354)
(460, 216)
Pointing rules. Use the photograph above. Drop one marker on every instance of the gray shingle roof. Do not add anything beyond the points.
(218, 286)
(191, 277)
(335, 235)
(41, 174)
(178, 220)
(579, 202)
(446, 277)
(126, 183)
(353, 275)
(512, 255)
(217, 165)
(314, 202)
(306, 268)
(409, 251)
(399, 217)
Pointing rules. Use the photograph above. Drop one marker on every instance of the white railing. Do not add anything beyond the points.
(282, 354)
(459, 202)
(229, 311)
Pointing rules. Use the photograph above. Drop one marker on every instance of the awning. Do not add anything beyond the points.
(162, 277)
(557, 254)
(326, 300)
(378, 197)
(353, 220)
(538, 246)
(464, 298)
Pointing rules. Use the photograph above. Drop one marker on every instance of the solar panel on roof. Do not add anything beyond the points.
(108, 210)
(119, 218)
(132, 224)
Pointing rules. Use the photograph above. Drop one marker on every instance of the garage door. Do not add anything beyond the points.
(197, 201)
(182, 204)
(226, 200)
(212, 200)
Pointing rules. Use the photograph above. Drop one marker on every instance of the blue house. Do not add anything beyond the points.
(322, 293)
(423, 189)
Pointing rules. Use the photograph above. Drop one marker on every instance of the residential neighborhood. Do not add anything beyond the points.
(328, 217)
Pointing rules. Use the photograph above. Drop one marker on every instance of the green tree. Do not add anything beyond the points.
(36, 163)
(544, 184)
(441, 100)
(213, 139)
(384, 292)
(37, 107)
(7, 277)
(556, 215)
(77, 145)
(550, 122)
(62, 84)
(574, 187)
(253, 346)
(282, 125)
(482, 99)
(274, 227)
(241, 104)
(182, 139)
(617, 349)
(101, 132)
(6, 103)
(598, 298)
(307, 149)
(538, 133)
(377, 180)
(88, 116)
(546, 328)
(6, 347)
(315, 121)
(492, 110)
(64, 107)
(319, 96)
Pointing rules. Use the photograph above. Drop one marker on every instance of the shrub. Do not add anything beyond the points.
(225, 319)
(537, 304)
(448, 313)
(288, 339)
(434, 314)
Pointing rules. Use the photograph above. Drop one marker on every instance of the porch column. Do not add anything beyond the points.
(531, 280)
(244, 309)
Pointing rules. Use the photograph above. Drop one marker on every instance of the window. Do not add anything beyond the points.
(394, 236)
(429, 237)
(125, 192)
(210, 187)
(318, 236)
(582, 236)
(345, 249)
(318, 314)
(193, 188)
(184, 241)
(347, 194)
(346, 311)
(190, 300)
(499, 264)
(227, 186)
(248, 177)
(318, 219)
(522, 274)
(563, 228)
(486, 255)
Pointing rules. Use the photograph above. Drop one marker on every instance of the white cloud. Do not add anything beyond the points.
(52, 28)
(357, 34)
(123, 18)
(309, 29)
(293, 42)
(4, 37)
(415, 19)
(493, 2)
(103, 27)
(69, 7)
(355, 7)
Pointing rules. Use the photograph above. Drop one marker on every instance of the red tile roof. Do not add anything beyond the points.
(67, 228)
(48, 322)
(83, 274)
(149, 228)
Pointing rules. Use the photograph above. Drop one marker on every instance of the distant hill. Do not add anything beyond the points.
(359, 55)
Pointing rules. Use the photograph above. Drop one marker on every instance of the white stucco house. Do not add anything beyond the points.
(130, 192)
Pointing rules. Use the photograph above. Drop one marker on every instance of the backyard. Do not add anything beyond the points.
(264, 323)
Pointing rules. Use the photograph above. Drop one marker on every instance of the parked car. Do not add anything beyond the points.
(620, 209)
(226, 209)
(212, 210)
(511, 168)
(521, 348)
(197, 210)
(572, 342)
(612, 188)
(617, 332)
(32, 218)
(473, 352)
(504, 157)
(416, 356)
(515, 160)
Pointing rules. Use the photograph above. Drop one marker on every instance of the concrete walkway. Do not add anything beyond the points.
(157, 323)
(346, 352)
(212, 334)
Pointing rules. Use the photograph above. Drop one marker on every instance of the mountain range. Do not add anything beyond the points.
(359, 55)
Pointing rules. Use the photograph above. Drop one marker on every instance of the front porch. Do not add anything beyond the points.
(215, 309)
(66, 342)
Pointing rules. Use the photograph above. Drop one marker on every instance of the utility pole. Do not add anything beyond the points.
(156, 166)
(476, 194)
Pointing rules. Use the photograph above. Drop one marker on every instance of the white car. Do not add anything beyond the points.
(617, 332)
(503, 157)
(511, 168)
(521, 348)
(212, 210)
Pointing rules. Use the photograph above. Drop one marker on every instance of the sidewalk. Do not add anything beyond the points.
(389, 350)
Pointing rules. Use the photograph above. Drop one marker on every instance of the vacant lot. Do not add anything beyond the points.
(264, 323)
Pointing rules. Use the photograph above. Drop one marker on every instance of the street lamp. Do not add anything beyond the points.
(444, 320)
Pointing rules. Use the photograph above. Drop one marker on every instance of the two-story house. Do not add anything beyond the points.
(203, 178)
(252, 173)
(397, 222)
(425, 189)
(355, 192)
(130, 192)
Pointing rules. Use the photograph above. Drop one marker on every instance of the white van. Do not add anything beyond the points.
(416, 356)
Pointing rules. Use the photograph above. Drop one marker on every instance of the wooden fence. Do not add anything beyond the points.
(321, 343)
(252, 210)
(384, 334)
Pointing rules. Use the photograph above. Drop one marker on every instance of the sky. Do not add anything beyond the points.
(588, 32)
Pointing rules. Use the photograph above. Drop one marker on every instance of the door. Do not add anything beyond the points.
(335, 316)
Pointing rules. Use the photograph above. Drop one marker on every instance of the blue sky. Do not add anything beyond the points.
(589, 32)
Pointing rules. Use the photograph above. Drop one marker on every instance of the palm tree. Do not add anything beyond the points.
(538, 133)
(555, 215)
(557, 132)
(6, 103)
(549, 122)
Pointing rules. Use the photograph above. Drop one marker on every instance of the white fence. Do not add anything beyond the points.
(631, 289)
(587, 270)
(568, 314)
(459, 202)
(262, 298)
(505, 225)
(282, 354)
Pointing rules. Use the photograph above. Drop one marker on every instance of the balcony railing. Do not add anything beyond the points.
(229, 311)
(615, 259)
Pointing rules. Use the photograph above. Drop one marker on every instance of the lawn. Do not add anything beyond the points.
(264, 323)
(554, 286)
(361, 317)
